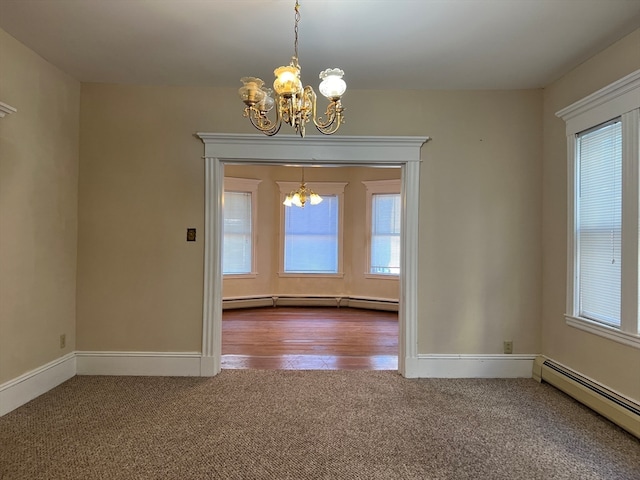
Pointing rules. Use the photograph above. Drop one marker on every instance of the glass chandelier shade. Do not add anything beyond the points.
(332, 85)
(287, 82)
(294, 104)
(251, 92)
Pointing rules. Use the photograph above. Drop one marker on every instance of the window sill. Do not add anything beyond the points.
(381, 276)
(605, 331)
(310, 275)
(239, 275)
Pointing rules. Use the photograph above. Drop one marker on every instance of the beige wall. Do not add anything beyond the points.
(480, 220)
(142, 185)
(38, 210)
(353, 282)
(611, 363)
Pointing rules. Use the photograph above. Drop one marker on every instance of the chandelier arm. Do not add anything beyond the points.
(262, 122)
(331, 128)
(333, 113)
(333, 116)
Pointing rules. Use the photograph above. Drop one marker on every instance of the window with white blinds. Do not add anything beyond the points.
(385, 234)
(384, 220)
(599, 222)
(239, 212)
(311, 238)
(236, 246)
(603, 251)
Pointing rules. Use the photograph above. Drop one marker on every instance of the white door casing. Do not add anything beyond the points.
(257, 149)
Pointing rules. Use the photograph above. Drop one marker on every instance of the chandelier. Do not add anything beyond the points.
(299, 197)
(294, 104)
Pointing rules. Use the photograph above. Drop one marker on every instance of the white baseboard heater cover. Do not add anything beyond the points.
(235, 303)
(620, 410)
(310, 301)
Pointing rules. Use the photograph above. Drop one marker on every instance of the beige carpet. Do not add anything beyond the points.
(251, 424)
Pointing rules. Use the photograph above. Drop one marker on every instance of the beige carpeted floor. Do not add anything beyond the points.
(251, 424)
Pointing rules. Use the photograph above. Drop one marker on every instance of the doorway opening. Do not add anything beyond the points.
(314, 287)
(403, 152)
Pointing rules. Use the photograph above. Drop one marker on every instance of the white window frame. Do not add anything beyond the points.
(321, 188)
(246, 185)
(374, 187)
(620, 99)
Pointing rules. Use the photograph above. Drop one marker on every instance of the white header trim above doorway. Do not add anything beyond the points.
(346, 150)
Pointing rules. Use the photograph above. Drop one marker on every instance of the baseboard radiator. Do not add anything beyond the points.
(246, 302)
(620, 410)
(310, 301)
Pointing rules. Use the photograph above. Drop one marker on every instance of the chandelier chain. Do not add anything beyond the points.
(295, 31)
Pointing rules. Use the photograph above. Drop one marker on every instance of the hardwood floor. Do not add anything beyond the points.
(310, 338)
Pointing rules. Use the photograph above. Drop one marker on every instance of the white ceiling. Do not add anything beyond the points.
(381, 44)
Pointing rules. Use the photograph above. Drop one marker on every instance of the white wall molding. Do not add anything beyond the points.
(168, 364)
(471, 366)
(603, 330)
(343, 149)
(30, 385)
(6, 109)
(403, 152)
(609, 102)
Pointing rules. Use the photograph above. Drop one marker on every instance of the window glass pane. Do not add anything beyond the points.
(385, 234)
(311, 237)
(599, 223)
(236, 248)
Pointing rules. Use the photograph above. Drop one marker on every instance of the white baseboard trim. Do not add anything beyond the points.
(469, 366)
(167, 364)
(209, 366)
(30, 385)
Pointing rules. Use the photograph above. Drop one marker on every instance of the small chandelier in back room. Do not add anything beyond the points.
(294, 104)
(300, 196)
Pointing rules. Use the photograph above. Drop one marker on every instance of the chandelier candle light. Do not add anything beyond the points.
(301, 195)
(294, 104)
